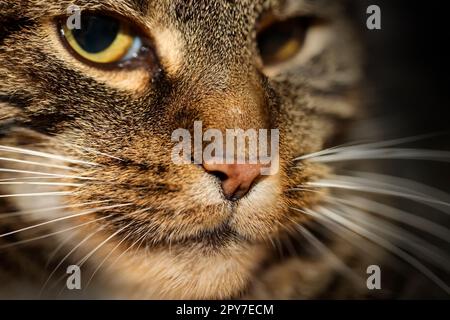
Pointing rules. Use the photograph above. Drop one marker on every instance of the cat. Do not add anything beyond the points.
(87, 179)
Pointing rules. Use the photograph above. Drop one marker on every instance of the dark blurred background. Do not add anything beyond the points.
(408, 66)
(409, 63)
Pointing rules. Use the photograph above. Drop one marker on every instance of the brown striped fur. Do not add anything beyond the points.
(196, 244)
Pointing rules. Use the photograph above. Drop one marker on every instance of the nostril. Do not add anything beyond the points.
(236, 180)
(219, 174)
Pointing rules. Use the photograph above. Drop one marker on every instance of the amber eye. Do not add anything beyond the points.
(103, 40)
(280, 41)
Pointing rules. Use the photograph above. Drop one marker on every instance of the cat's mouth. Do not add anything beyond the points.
(210, 220)
(213, 235)
(196, 213)
(213, 238)
(184, 205)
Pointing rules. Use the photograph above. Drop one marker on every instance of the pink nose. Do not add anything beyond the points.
(237, 179)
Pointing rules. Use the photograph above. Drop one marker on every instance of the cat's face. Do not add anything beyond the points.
(217, 61)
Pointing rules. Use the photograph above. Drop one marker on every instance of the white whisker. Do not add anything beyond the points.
(44, 155)
(45, 174)
(50, 234)
(45, 210)
(140, 243)
(57, 184)
(60, 246)
(407, 240)
(38, 164)
(129, 248)
(65, 218)
(385, 244)
(81, 262)
(378, 188)
(106, 258)
(363, 146)
(91, 150)
(67, 256)
(304, 189)
(404, 184)
(43, 194)
(339, 265)
(29, 178)
(409, 154)
(352, 238)
(395, 214)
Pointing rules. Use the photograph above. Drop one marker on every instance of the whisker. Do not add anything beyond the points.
(409, 154)
(45, 174)
(409, 241)
(287, 241)
(398, 215)
(65, 218)
(375, 181)
(348, 183)
(78, 148)
(44, 155)
(354, 239)
(385, 244)
(129, 248)
(62, 244)
(29, 178)
(21, 213)
(67, 256)
(50, 234)
(359, 145)
(57, 184)
(338, 263)
(140, 243)
(39, 164)
(327, 151)
(43, 194)
(52, 140)
(105, 259)
(91, 150)
(405, 184)
(81, 262)
(304, 189)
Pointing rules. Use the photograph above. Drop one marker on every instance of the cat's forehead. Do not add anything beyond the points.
(184, 9)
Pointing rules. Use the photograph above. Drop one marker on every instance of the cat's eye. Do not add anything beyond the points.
(280, 41)
(103, 40)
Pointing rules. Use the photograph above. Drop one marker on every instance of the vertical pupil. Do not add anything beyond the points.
(97, 33)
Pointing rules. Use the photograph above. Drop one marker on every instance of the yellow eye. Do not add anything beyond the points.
(103, 39)
(281, 41)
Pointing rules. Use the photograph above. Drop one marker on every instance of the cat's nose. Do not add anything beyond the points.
(236, 179)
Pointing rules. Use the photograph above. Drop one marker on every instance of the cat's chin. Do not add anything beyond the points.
(187, 272)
